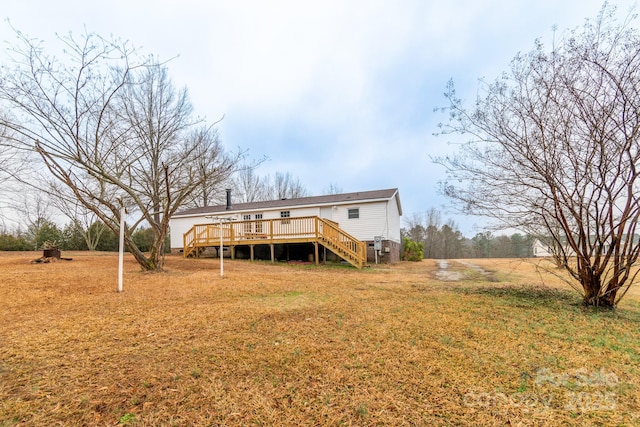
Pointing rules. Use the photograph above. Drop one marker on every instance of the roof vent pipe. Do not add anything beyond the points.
(228, 190)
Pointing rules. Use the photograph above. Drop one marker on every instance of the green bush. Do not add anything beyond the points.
(413, 251)
(13, 243)
(144, 239)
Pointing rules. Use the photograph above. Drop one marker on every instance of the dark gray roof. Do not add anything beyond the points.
(361, 196)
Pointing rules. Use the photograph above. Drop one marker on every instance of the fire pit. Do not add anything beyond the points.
(50, 253)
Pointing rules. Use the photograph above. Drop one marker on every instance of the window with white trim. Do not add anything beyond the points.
(258, 223)
(353, 213)
(285, 214)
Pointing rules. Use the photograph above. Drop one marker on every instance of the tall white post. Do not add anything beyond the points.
(221, 250)
(121, 254)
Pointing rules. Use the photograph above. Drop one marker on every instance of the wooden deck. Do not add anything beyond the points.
(270, 232)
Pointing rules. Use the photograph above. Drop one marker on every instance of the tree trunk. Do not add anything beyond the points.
(593, 292)
(151, 263)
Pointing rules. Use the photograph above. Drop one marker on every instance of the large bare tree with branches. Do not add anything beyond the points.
(555, 151)
(285, 186)
(250, 187)
(110, 127)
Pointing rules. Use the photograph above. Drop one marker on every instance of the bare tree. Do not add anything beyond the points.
(285, 186)
(82, 218)
(109, 126)
(437, 241)
(175, 159)
(414, 227)
(211, 188)
(8, 188)
(432, 236)
(248, 186)
(333, 188)
(35, 214)
(14, 164)
(451, 240)
(555, 151)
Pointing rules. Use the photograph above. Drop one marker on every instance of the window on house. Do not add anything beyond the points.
(247, 225)
(285, 214)
(258, 217)
(354, 213)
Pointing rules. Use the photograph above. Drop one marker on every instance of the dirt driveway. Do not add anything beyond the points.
(445, 274)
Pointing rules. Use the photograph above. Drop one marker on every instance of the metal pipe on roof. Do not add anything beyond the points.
(228, 190)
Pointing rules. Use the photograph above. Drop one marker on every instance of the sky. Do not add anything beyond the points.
(336, 92)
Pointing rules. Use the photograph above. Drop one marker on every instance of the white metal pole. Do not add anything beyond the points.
(121, 254)
(221, 251)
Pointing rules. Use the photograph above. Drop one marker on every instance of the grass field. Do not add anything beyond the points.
(278, 344)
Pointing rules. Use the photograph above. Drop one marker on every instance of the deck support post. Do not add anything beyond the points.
(315, 244)
(251, 252)
(273, 252)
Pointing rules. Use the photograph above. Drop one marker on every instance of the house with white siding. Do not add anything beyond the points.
(541, 249)
(360, 228)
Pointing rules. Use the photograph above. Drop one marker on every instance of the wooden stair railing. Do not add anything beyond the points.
(341, 243)
(188, 242)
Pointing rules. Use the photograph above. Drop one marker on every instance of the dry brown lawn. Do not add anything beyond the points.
(277, 344)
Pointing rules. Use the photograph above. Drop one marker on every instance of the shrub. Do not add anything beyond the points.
(413, 251)
(9, 242)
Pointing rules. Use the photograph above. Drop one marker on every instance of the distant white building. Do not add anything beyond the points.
(285, 227)
(541, 249)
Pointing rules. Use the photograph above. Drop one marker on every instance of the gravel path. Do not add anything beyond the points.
(446, 275)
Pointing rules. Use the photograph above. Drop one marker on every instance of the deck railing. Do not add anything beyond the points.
(342, 243)
(280, 230)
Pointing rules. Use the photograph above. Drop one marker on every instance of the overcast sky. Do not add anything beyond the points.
(336, 92)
